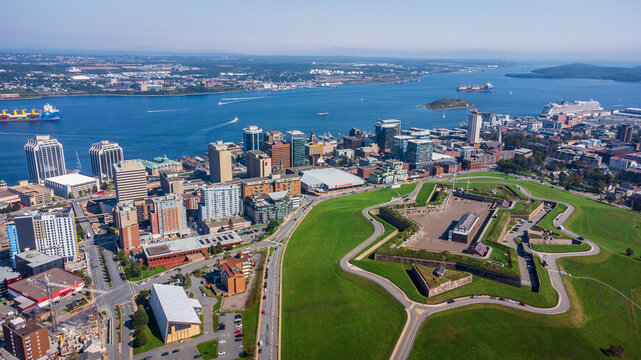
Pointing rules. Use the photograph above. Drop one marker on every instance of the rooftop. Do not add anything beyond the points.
(71, 179)
(175, 304)
(36, 258)
(189, 244)
(159, 162)
(7, 274)
(330, 177)
(58, 279)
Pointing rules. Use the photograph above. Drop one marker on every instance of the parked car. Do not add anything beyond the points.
(264, 297)
(175, 351)
(263, 312)
(165, 353)
(237, 332)
(450, 301)
(221, 341)
(522, 303)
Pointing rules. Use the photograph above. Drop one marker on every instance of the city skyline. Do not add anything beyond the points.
(494, 29)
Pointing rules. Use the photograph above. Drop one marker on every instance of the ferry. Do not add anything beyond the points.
(48, 112)
(476, 88)
(323, 114)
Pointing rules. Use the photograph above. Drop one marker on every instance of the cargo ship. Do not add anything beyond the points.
(48, 112)
(476, 88)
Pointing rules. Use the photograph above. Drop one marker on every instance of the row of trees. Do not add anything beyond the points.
(139, 321)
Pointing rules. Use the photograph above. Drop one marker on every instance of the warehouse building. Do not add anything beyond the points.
(175, 313)
(62, 283)
(330, 179)
(71, 185)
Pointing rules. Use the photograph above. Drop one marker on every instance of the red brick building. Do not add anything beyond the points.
(482, 160)
(25, 339)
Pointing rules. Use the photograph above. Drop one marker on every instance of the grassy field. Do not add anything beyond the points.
(525, 208)
(424, 193)
(560, 248)
(396, 273)
(548, 221)
(328, 314)
(145, 272)
(208, 350)
(487, 173)
(406, 188)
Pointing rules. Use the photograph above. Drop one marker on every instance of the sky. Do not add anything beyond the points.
(542, 29)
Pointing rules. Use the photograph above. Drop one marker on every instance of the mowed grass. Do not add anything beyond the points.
(406, 188)
(424, 193)
(560, 248)
(327, 313)
(487, 174)
(396, 273)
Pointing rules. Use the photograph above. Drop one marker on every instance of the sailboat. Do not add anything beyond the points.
(443, 115)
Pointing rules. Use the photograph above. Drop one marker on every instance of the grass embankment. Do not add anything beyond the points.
(525, 208)
(438, 197)
(487, 174)
(498, 191)
(501, 253)
(433, 281)
(424, 193)
(215, 311)
(598, 317)
(250, 314)
(406, 188)
(151, 331)
(208, 350)
(560, 248)
(327, 313)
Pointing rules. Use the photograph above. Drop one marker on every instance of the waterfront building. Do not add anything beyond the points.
(385, 131)
(391, 172)
(399, 146)
(26, 339)
(53, 233)
(167, 215)
(160, 164)
(126, 220)
(71, 185)
(220, 201)
(219, 162)
(104, 155)
(172, 182)
(263, 208)
(252, 138)
(45, 158)
(353, 142)
(296, 141)
(279, 152)
(32, 194)
(131, 181)
(274, 183)
(258, 164)
(474, 124)
(419, 152)
(176, 315)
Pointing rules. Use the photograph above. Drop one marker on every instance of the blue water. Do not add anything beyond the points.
(184, 125)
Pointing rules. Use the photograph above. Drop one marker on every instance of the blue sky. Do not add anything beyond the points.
(588, 29)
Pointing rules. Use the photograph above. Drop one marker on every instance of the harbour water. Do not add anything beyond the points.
(149, 126)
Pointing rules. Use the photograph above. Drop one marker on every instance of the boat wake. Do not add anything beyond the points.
(225, 101)
(167, 110)
(221, 125)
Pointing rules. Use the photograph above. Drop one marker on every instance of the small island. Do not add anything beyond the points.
(584, 71)
(449, 104)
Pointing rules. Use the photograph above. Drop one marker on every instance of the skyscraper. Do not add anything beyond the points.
(624, 133)
(385, 132)
(296, 141)
(45, 158)
(419, 152)
(279, 152)
(126, 220)
(399, 147)
(52, 233)
(131, 180)
(474, 123)
(220, 201)
(219, 162)
(252, 138)
(258, 164)
(103, 156)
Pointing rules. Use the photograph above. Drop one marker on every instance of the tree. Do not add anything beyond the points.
(122, 257)
(629, 251)
(104, 186)
(135, 270)
(140, 339)
(466, 164)
(140, 318)
(616, 350)
(231, 224)
(610, 197)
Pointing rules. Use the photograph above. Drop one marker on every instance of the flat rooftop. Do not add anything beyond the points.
(71, 179)
(175, 304)
(36, 258)
(58, 279)
(330, 177)
(163, 248)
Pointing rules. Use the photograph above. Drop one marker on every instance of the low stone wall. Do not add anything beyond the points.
(419, 281)
(425, 290)
(529, 216)
(481, 198)
(450, 265)
(390, 219)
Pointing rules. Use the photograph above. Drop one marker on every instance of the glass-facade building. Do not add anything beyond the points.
(45, 158)
(252, 138)
(385, 132)
(419, 152)
(103, 156)
(14, 246)
(296, 141)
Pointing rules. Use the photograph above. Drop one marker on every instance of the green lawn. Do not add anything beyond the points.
(152, 333)
(548, 221)
(208, 350)
(388, 230)
(560, 248)
(487, 173)
(145, 272)
(406, 188)
(525, 208)
(250, 324)
(396, 273)
(424, 193)
(327, 313)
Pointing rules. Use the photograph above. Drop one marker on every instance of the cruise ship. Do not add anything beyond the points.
(577, 107)
(48, 112)
(476, 88)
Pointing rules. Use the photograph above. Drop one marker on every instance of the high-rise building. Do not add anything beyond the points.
(26, 339)
(399, 147)
(131, 180)
(103, 156)
(474, 123)
(419, 152)
(252, 138)
(220, 201)
(45, 158)
(126, 220)
(172, 182)
(279, 152)
(258, 163)
(273, 136)
(296, 141)
(219, 162)
(624, 133)
(167, 215)
(52, 233)
(14, 245)
(385, 132)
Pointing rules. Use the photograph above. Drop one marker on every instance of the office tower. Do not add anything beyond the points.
(52, 233)
(219, 162)
(14, 245)
(474, 123)
(126, 220)
(279, 152)
(45, 158)
(385, 132)
(353, 142)
(258, 164)
(26, 339)
(273, 136)
(172, 182)
(220, 201)
(399, 147)
(296, 141)
(252, 138)
(419, 152)
(167, 215)
(624, 133)
(103, 156)
(131, 180)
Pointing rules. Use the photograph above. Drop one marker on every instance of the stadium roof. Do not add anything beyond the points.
(330, 177)
(175, 304)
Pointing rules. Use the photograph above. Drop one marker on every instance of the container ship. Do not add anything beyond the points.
(48, 112)
(476, 88)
